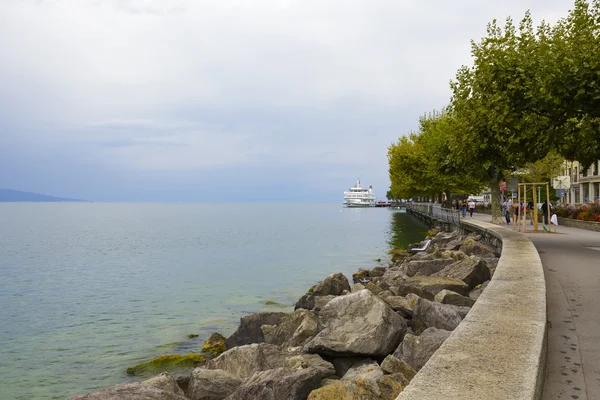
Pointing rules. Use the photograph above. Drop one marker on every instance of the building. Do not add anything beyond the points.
(585, 183)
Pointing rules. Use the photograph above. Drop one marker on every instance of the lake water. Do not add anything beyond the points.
(87, 289)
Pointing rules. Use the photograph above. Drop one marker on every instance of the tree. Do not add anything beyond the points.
(499, 131)
(569, 73)
(421, 164)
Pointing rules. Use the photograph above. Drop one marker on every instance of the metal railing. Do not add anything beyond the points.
(436, 211)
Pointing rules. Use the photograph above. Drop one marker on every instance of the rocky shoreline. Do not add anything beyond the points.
(365, 341)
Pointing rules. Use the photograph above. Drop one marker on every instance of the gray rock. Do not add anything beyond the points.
(301, 361)
(311, 302)
(373, 288)
(428, 314)
(334, 285)
(416, 350)
(161, 387)
(453, 298)
(386, 387)
(279, 384)
(343, 364)
(453, 245)
(427, 267)
(393, 365)
(399, 304)
(492, 263)
(472, 271)
(428, 286)
(243, 361)
(475, 293)
(357, 324)
(212, 384)
(357, 287)
(321, 301)
(473, 247)
(364, 369)
(295, 329)
(249, 330)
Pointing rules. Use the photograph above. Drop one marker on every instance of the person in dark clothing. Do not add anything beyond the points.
(545, 212)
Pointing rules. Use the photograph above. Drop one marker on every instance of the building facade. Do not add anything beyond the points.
(585, 183)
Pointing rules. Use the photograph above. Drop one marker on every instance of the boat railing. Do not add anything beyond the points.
(437, 211)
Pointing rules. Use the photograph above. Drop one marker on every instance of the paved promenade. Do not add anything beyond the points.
(571, 261)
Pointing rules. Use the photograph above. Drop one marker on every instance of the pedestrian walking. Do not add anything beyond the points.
(507, 207)
(515, 213)
(471, 207)
(545, 207)
(463, 208)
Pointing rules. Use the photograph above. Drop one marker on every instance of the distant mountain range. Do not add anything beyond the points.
(17, 195)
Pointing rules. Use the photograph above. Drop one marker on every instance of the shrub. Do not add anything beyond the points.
(583, 212)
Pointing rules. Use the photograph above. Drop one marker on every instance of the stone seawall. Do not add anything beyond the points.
(499, 350)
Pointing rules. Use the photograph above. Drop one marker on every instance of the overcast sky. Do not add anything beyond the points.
(207, 100)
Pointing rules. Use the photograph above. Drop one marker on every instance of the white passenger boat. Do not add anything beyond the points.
(359, 196)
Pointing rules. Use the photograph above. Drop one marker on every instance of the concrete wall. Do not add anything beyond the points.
(574, 223)
(499, 350)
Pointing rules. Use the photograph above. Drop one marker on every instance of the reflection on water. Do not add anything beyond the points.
(405, 230)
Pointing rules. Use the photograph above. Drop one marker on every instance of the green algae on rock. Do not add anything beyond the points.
(215, 344)
(167, 362)
(192, 336)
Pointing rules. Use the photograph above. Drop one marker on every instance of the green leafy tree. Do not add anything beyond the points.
(569, 76)
(421, 164)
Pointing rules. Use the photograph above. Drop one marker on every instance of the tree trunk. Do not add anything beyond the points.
(497, 217)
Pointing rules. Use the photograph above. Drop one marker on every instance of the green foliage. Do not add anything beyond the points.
(421, 163)
(530, 99)
(542, 170)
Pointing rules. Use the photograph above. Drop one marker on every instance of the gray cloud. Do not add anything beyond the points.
(142, 93)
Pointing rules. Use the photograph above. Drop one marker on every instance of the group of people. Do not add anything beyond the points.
(464, 206)
(517, 210)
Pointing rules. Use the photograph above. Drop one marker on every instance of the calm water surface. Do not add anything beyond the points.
(87, 289)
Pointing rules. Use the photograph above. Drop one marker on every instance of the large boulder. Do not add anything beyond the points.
(478, 290)
(386, 387)
(277, 384)
(215, 344)
(343, 364)
(161, 387)
(295, 329)
(312, 302)
(358, 323)
(211, 384)
(364, 369)
(333, 285)
(249, 330)
(472, 271)
(473, 247)
(399, 304)
(416, 350)
(453, 298)
(365, 274)
(393, 365)
(243, 361)
(428, 314)
(428, 286)
(426, 267)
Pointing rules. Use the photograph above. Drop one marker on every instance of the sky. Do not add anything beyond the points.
(225, 100)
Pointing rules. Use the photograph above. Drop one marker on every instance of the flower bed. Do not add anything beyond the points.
(582, 212)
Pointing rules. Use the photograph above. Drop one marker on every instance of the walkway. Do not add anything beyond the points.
(571, 261)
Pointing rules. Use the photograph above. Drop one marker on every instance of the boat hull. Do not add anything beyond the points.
(356, 204)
